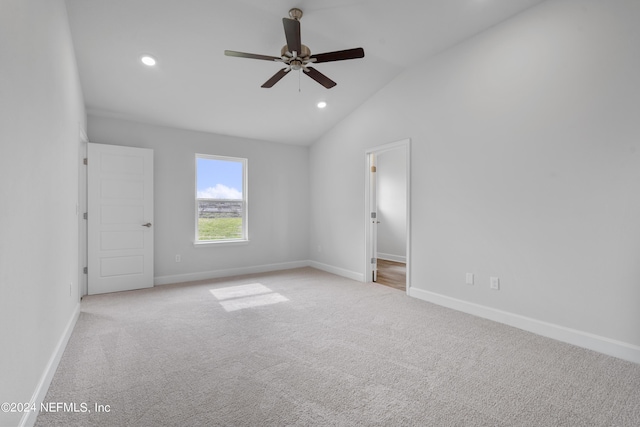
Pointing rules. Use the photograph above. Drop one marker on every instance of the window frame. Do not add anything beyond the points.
(244, 200)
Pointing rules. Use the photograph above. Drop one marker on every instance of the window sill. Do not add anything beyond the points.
(212, 243)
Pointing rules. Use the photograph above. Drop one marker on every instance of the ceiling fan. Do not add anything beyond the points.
(297, 56)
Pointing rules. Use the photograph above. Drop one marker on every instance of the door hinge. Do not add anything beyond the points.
(85, 215)
(85, 270)
(373, 260)
(373, 215)
(85, 161)
(373, 169)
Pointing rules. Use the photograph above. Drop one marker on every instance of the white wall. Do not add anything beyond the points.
(525, 166)
(41, 112)
(278, 200)
(391, 182)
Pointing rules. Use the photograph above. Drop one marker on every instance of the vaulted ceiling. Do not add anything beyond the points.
(195, 86)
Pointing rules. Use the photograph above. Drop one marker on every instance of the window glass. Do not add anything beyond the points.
(221, 204)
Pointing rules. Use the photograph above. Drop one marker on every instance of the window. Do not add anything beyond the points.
(221, 199)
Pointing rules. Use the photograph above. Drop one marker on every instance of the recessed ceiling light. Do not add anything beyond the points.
(322, 104)
(148, 60)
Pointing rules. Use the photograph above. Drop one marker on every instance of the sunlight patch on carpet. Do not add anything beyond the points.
(246, 296)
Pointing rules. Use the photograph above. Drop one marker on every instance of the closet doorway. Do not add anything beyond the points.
(387, 215)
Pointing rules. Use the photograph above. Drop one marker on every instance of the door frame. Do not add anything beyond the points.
(82, 209)
(404, 143)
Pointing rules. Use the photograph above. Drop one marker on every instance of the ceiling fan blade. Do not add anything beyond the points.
(292, 34)
(276, 78)
(319, 77)
(339, 55)
(251, 55)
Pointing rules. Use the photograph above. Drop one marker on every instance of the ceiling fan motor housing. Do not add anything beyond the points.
(298, 61)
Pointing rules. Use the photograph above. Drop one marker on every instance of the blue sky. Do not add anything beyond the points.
(219, 179)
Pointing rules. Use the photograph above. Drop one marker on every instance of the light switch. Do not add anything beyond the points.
(469, 280)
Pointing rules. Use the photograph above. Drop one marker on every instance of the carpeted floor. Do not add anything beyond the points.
(307, 348)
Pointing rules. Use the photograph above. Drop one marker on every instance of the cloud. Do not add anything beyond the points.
(220, 191)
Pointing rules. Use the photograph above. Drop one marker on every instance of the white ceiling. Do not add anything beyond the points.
(195, 86)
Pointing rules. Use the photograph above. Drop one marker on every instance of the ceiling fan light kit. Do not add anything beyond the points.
(297, 56)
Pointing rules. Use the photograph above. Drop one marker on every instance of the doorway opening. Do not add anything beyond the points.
(387, 215)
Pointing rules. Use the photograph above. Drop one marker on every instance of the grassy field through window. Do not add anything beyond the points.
(219, 228)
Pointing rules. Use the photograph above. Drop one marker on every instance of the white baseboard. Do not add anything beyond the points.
(29, 418)
(586, 340)
(337, 271)
(391, 257)
(229, 272)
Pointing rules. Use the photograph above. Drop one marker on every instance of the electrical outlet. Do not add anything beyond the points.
(494, 283)
(178, 258)
(469, 280)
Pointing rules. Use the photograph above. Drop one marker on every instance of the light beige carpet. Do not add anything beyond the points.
(307, 348)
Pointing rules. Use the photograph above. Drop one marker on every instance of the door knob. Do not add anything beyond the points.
(148, 225)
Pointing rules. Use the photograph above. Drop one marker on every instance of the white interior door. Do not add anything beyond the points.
(373, 203)
(120, 218)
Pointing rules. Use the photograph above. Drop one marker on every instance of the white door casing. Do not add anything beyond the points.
(120, 218)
